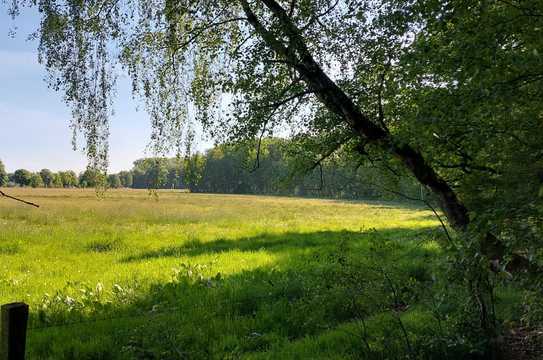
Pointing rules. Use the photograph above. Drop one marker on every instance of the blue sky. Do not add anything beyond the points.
(34, 132)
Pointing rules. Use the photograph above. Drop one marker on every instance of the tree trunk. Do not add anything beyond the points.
(337, 102)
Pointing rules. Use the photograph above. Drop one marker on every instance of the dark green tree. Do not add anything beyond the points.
(22, 177)
(47, 177)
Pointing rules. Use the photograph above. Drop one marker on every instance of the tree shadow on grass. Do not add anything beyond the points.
(331, 300)
(382, 204)
(286, 242)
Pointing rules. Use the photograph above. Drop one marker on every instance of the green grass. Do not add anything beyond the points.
(218, 276)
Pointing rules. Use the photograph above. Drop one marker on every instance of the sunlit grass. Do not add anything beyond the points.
(75, 236)
(274, 256)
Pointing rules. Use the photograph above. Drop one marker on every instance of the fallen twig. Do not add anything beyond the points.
(17, 199)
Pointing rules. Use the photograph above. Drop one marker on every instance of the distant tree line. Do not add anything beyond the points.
(271, 167)
(43, 178)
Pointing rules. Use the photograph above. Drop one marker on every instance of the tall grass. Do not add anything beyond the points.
(221, 276)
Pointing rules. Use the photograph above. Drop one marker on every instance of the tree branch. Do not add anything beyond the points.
(292, 7)
(258, 147)
(467, 168)
(199, 31)
(330, 152)
(317, 17)
(17, 199)
(279, 103)
(339, 103)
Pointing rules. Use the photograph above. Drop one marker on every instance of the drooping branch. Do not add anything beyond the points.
(17, 199)
(411, 198)
(256, 165)
(321, 178)
(385, 166)
(258, 147)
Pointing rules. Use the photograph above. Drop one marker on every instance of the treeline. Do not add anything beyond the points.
(273, 169)
(43, 178)
(46, 178)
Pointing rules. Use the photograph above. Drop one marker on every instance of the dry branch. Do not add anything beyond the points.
(17, 199)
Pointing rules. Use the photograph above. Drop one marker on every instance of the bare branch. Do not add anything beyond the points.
(292, 7)
(467, 168)
(317, 17)
(17, 199)
(330, 151)
(196, 33)
(287, 100)
(257, 160)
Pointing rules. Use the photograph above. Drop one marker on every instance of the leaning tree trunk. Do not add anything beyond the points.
(298, 56)
(339, 103)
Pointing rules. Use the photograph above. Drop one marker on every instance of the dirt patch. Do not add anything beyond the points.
(523, 344)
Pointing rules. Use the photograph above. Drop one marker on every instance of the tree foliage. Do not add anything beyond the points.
(91, 177)
(22, 177)
(47, 177)
(114, 181)
(36, 181)
(3, 175)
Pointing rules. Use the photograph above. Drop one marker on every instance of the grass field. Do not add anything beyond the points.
(218, 276)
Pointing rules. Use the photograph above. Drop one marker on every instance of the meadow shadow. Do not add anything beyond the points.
(308, 293)
(285, 242)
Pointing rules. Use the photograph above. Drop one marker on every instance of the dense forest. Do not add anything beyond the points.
(271, 167)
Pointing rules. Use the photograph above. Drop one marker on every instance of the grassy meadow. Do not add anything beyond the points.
(196, 276)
